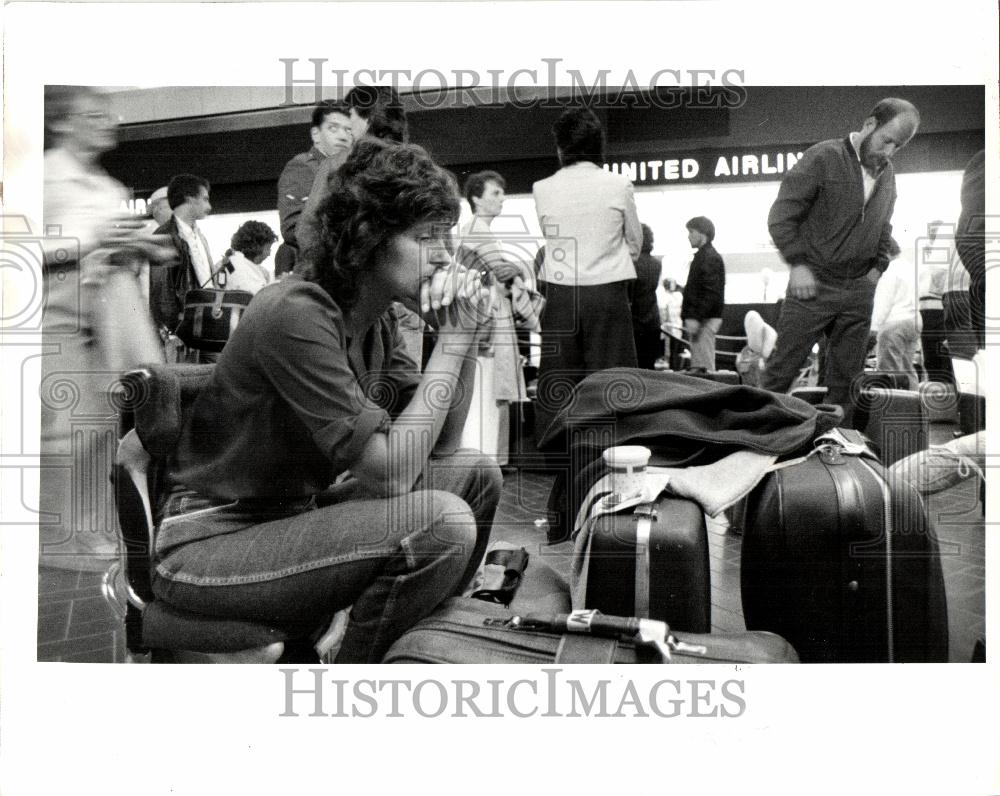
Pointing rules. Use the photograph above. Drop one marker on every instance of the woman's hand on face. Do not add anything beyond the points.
(471, 306)
(455, 295)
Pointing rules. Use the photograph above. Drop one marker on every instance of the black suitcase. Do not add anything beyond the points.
(894, 420)
(971, 412)
(843, 563)
(470, 631)
(885, 379)
(651, 563)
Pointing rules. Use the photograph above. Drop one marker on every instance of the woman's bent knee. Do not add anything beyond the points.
(449, 534)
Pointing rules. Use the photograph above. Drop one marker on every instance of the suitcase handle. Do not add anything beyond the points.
(641, 632)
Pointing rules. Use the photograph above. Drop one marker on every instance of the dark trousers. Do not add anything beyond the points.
(977, 299)
(842, 310)
(584, 330)
(648, 346)
(958, 328)
(937, 366)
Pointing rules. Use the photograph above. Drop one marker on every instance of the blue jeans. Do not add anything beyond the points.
(294, 565)
(842, 310)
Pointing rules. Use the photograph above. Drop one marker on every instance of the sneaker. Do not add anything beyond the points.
(938, 468)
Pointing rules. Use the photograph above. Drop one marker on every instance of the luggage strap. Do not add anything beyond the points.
(645, 515)
(594, 632)
(836, 442)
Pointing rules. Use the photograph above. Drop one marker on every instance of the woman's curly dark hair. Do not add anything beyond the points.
(382, 190)
(252, 239)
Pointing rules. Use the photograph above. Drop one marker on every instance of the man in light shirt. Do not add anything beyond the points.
(188, 196)
(895, 319)
(592, 235)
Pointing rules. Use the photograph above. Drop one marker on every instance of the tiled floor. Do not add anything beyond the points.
(75, 624)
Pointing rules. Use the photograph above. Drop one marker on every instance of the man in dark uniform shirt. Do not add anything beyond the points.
(331, 135)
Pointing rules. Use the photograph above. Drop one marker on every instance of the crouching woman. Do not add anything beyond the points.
(315, 388)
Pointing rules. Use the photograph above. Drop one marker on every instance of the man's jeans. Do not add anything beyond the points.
(842, 309)
(394, 559)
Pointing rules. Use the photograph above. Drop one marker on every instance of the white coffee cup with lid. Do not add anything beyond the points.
(627, 465)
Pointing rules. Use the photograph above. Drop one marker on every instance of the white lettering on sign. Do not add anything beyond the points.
(656, 170)
(751, 164)
(133, 207)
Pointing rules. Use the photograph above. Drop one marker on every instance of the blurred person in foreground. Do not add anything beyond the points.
(96, 325)
(319, 469)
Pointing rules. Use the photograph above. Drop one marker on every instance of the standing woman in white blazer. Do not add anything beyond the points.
(592, 235)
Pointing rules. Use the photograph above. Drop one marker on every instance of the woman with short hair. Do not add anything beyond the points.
(249, 247)
(316, 389)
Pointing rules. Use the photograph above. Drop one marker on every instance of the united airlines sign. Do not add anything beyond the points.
(709, 166)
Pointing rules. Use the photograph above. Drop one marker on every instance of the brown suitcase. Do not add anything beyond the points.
(470, 631)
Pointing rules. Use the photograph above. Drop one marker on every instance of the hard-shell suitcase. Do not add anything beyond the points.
(842, 563)
(470, 631)
(884, 379)
(651, 562)
(894, 420)
(971, 412)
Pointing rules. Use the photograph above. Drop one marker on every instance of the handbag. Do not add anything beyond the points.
(210, 317)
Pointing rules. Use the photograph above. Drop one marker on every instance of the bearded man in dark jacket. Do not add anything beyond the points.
(831, 223)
